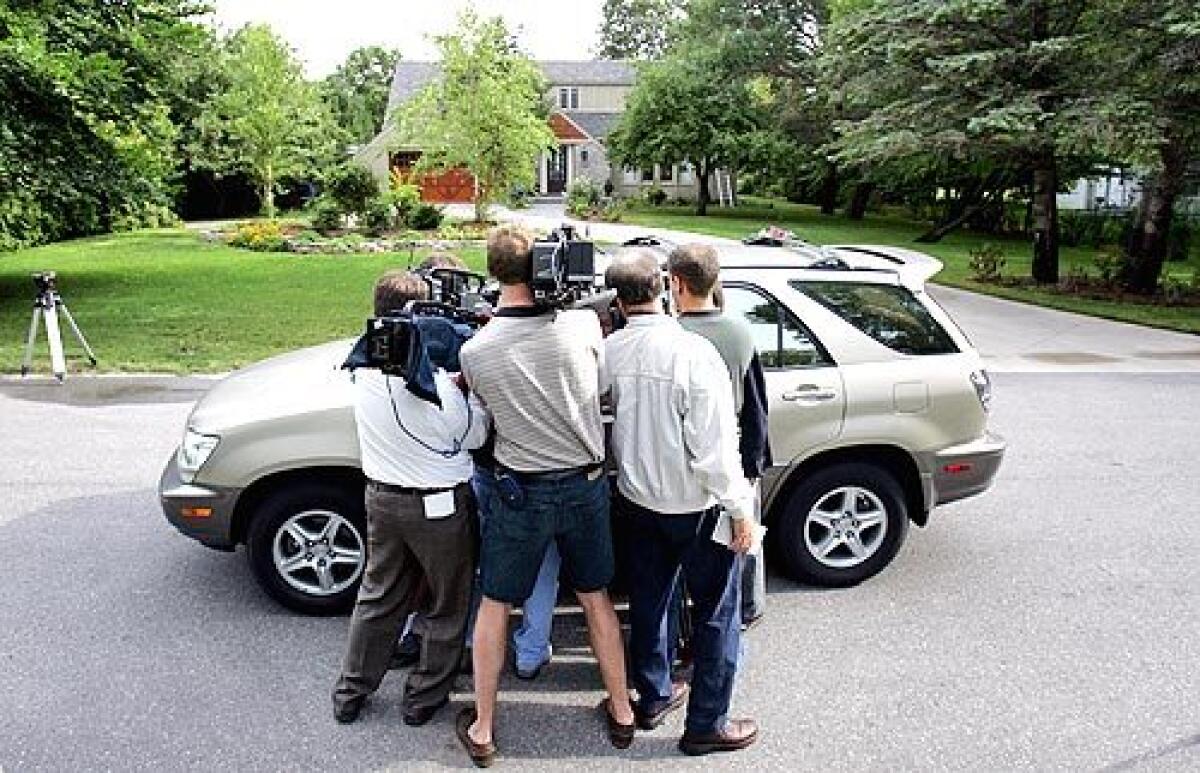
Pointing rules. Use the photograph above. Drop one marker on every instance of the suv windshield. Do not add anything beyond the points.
(890, 314)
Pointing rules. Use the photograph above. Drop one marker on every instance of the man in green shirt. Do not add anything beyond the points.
(695, 272)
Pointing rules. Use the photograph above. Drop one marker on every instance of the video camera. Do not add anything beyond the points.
(45, 282)
(562, 268)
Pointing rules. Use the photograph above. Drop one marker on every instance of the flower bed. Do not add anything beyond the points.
(273, 236)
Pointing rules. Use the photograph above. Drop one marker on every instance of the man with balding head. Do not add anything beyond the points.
(676, 447)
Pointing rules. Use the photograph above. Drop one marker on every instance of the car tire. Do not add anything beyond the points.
(813, 534)
(332, 520)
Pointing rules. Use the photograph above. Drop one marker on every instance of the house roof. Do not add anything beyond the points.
(597, 125)
(411, 77)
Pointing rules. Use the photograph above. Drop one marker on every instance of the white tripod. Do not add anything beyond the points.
(47, 304)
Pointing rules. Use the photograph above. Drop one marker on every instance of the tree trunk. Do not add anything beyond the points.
(268, 192)
(859, 200)
(1148, 246)
(1045, 220)
(702, 171)
(829, 190)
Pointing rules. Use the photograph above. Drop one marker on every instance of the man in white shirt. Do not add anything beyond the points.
(676, 446)
(420, 526)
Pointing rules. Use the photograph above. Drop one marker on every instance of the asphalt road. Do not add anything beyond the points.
(1052, 623)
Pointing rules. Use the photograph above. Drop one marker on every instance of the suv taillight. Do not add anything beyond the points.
(983, 388)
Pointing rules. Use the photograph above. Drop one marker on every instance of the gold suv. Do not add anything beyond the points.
(878, 413)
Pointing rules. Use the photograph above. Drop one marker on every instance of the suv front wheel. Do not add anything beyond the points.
(842, 525)
(307, 546)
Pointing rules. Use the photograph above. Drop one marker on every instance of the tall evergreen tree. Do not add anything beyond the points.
(972, 82)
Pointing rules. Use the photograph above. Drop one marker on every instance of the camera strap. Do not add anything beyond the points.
(445, 454)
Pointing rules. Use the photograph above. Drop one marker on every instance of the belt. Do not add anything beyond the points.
(390, 488)
(569, 472)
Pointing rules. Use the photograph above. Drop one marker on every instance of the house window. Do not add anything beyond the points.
(648, 175)
(568, 97)
(666, 173)
(583, 157)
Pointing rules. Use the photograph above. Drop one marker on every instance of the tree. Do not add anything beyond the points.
(86, 130)
(1149, 112)
(638, 29)
(980, 83)
(686, 108)
(265, 120)
(485, 113)
(357, 92)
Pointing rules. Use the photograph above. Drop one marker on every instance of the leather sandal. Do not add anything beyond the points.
(621, 736)
(482, 754)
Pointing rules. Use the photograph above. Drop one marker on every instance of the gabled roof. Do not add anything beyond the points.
(597, 125)
(411, 77)
(594, 72)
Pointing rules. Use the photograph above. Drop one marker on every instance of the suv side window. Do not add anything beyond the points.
(782, 341)
(890, 314)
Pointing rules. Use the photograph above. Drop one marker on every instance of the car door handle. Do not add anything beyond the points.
(809, 393)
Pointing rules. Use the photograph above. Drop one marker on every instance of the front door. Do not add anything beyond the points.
(556, 170)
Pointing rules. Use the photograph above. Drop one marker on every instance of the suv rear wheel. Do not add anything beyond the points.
(307, 546)
(842, 525)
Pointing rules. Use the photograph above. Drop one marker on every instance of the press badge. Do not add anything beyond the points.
(439, 505)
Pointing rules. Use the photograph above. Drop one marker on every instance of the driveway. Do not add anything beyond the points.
(1012, 337)
(1050, 624)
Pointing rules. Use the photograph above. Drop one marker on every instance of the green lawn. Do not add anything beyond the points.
(810, 224)
(165, 301)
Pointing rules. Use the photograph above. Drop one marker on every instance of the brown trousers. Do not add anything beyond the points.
(406, 551)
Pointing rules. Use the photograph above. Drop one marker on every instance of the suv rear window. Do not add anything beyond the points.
(890, 314)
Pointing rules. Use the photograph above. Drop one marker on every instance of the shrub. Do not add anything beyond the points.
(404, 198)
(1179, 240)
(655, 196)
(518, 198)
(426, 217)
(583, 196)
(613, 211)
(1108, 267)
(379, 216)
(326, 215)
(145, 214)
(352, 188)
(987, 263)
(262, 236)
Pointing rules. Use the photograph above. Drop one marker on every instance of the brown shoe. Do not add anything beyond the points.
(737, 734)
(621, 736)
(483, 755)
(648, 720)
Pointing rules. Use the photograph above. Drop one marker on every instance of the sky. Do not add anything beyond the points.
(323, 32)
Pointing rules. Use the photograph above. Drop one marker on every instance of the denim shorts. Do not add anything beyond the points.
(572, 511)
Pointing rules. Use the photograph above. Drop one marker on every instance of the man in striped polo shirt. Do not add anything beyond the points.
(538, 370)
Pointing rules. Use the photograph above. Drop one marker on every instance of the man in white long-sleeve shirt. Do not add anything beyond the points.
(676, 446)
(420, 526)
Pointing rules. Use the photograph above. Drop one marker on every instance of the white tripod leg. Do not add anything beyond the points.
(78, 333)
(58, 363)
(27, 362)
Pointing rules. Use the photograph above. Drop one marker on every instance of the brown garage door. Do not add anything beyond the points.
(452, 185)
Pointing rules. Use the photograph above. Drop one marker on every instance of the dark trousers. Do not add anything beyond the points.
(406, 550)
(660, 547)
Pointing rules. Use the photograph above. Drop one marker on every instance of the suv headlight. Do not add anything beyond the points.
(194, 452)
(983, 388)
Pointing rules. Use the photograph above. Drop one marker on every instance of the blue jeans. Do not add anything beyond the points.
(531, 641)
(661, 546)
